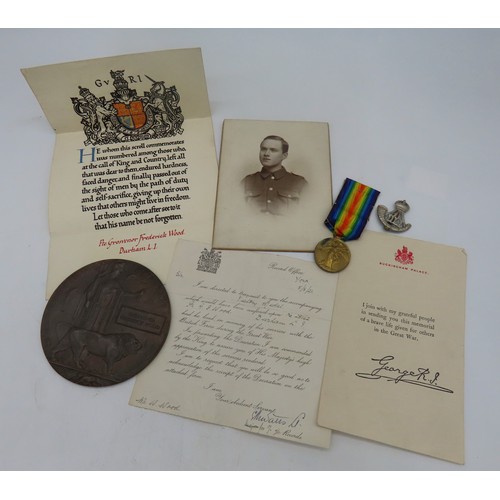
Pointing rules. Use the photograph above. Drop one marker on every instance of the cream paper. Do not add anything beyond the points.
(247, 343)
(134, 165)
(395, 364)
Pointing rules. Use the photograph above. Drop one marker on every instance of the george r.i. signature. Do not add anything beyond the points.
(421, 377)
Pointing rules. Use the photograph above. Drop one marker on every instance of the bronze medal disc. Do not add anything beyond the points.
(332, 255)
(105, 323)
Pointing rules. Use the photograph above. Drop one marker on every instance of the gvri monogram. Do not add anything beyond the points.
(128, 116)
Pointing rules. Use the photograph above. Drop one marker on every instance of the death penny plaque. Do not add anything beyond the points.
(105, 323)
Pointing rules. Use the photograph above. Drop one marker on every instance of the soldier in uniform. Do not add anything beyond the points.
(273, 189)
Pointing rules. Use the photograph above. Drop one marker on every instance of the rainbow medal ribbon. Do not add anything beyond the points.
(346, 220)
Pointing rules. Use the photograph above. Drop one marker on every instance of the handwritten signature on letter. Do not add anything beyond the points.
(421, 376)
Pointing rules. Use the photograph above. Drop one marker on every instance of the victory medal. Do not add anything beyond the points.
(346, 220)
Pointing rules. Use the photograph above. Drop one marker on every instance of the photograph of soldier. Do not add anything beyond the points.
(275, 185)
(273, 189)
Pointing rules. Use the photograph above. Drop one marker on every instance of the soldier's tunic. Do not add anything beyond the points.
(273, 192)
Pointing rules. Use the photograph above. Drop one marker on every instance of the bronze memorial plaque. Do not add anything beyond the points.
(105, 323)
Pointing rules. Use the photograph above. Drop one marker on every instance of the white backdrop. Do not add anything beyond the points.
(413, 113)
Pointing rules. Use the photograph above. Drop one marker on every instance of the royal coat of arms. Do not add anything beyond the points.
(209, 261)
(128, 116)
(404, 256)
